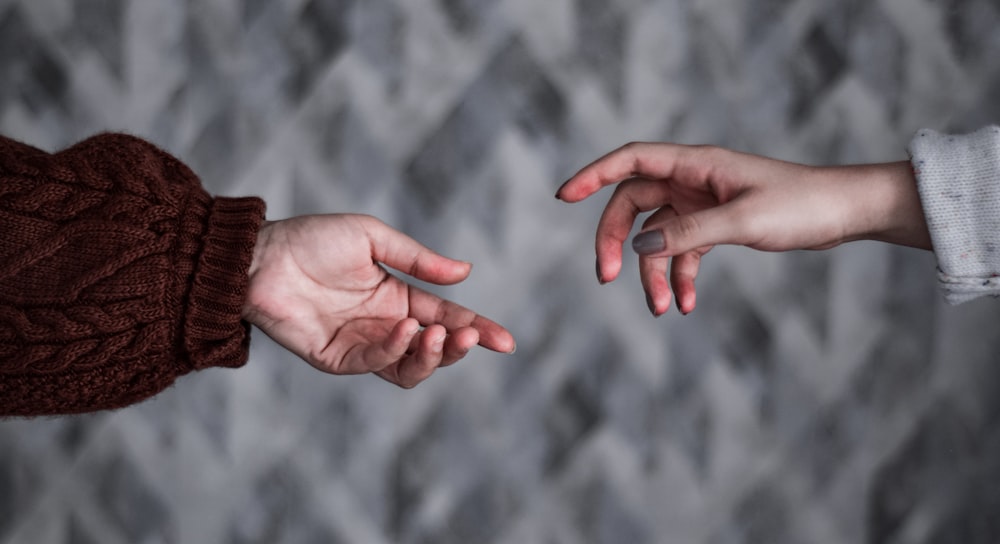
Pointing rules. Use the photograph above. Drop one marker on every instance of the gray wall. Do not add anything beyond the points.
(812, 397)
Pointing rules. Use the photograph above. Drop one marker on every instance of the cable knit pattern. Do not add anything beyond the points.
(118, 273)
(959, 182)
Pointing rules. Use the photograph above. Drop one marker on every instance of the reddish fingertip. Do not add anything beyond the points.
(687, 307)
(651, 304)
(560, 189)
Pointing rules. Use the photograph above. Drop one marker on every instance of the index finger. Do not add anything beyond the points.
(637, 159)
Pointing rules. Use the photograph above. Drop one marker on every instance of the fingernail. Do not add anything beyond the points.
(597, 267)
(438, 345)
(649, 242)
(651, 305)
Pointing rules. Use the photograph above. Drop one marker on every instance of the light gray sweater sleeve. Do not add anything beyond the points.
(958, 177)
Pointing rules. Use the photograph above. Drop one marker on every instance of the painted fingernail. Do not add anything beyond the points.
(597, 267)
(649, 242)
(651, 305)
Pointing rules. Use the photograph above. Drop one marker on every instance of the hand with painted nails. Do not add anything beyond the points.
(317, 287)
(702, 196)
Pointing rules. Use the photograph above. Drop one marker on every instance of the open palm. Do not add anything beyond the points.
(318, 288)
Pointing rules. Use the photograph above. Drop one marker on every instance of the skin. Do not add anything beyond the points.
(702, 196)
(318, 288)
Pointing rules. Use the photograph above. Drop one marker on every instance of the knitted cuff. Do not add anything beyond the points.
(958, 177)
(214, 332)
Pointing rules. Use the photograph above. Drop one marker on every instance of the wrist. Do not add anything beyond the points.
(263, 236)
(893, 204)
(249, 311)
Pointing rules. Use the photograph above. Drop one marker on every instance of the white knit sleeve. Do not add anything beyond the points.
(958, 177)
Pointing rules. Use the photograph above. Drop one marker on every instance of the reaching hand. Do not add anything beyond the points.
(704, 196)
(318, 289)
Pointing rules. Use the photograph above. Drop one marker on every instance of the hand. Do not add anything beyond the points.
(318, 289)
(704, 196)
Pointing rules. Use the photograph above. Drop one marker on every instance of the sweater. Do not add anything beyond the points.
(118, 273)
(958, 177)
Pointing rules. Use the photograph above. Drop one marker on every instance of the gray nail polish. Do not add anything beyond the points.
(597, 267)
(649, 242)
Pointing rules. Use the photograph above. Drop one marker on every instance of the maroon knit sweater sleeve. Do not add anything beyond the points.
(118, 273)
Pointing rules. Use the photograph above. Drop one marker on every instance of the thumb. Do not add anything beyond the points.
(682, 233)
(405, 254)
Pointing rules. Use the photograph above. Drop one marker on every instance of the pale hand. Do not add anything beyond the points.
(317, 287)
(704, 196)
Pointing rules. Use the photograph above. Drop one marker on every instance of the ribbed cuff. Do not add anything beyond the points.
(214, 332)
(958, 177)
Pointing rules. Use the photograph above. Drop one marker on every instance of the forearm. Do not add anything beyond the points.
(119, 273)
(884, 203)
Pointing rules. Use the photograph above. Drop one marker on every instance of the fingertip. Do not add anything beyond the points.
(570, 191)
(560, 189)
(510, 345)
(461, 271)
(651, 304)
(436, 340)
(406, 329)
(471, 338)
(446, 271)
(411, 326)
(500, 342)
(607, 271)
(686, 304)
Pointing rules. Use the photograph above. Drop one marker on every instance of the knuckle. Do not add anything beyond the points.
(687, 226)
(632, 146)
(711, 154)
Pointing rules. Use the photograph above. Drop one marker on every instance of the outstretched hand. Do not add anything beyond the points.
(317, 287)
(702, 196)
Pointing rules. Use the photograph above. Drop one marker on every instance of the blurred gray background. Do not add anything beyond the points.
(813, 397)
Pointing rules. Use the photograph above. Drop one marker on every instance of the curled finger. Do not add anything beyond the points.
(419, 365)
(653, 270)
(630, 199)
(683, 271)
(458, 345)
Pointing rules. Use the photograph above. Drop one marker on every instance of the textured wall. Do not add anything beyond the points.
(812, 397)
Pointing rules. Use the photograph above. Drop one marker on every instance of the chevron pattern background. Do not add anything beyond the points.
(818, 397)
